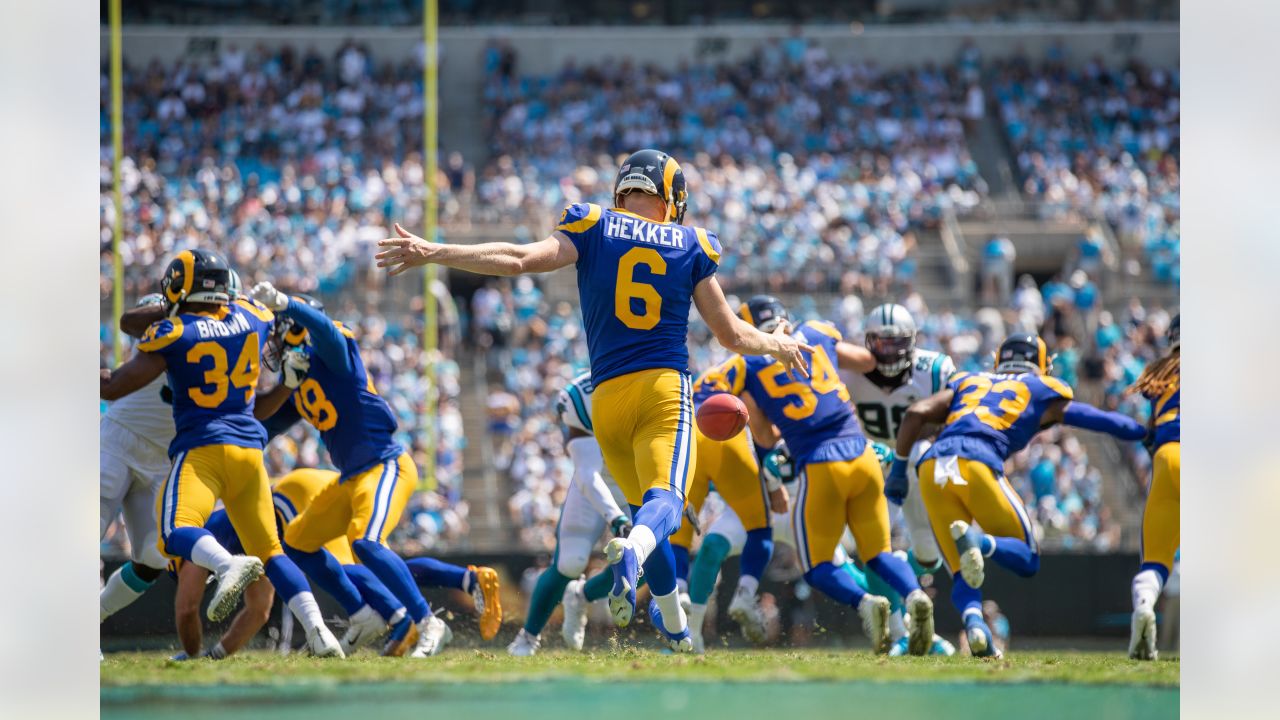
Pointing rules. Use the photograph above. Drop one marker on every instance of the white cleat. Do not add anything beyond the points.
(874, 611)
(322, 643)
(433, 635)
(1142, 634)
(574, 629)
(243, 572)
(745, 610)
(981, 644)
(365, 627)
(972, 564)
(698, 643)
(525, 645)
(919, 622)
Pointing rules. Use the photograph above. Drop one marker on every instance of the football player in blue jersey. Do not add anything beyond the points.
(840, 481)
(987, 417)
(378, 476)
(211, 347)
(1161, 383)
(639, 271)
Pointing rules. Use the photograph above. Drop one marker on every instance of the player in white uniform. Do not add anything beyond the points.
(589, 508)
(133, 460)
(903, 374)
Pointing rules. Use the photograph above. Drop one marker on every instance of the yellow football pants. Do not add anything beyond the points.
(730, 466)
(237, 476)
(644, 424)
(366, 506)
(294, 492)
(1161, 526)
(833, 495)
(971, 491)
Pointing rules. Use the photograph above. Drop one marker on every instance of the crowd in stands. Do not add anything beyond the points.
(1102, 142)
(821, 172)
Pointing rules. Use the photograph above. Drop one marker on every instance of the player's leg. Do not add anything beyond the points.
(249, 506)
(743, 490)
(818, 521)
(667, 459)
(378, 499)
(867, 514)
(615, 415)
(186, 500)
(1161, 535)
(725, 538)
(945, 502)
(307, 537)
(480, 582)
(121, 488)
(1007, 536)
(576, 533)
(682, 538)
(924, 549)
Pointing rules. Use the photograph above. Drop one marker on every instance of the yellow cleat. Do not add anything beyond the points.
(487, 601)
(397, 648)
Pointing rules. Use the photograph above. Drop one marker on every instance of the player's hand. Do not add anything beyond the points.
(295, 367)
(267, 294)
(621, 526)
(779, 500)
(403, 252)
(791, 351)
(895, 486)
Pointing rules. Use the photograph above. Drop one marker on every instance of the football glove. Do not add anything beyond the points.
(266, 293)
(295, 367)
(895, 485)
(777, 469)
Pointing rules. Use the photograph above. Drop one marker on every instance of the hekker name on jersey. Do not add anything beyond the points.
(808, 412)
(213, 361)
(573, 404)
(880, 408)
(635, 284)
(994, 415)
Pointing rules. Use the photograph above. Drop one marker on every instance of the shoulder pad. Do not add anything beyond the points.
(161, 334)
(346, 331)
(578, 218)
(825, 328)
(709, 243)
(1057, 386)
(255, 308)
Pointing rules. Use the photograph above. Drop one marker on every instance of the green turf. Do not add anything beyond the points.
(457, 665)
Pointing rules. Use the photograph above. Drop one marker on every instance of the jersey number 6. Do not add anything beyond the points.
(627, 289)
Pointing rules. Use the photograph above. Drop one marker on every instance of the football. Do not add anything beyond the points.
(722, 416)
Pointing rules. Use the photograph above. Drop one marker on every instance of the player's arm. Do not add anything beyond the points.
(135, 321)
(587, 466)
(738, 335)
(1088, 417)
(136, 373)
(763, 433)
(854, 357)
(186, 607)
(498, 258)
(921, 413)
(270, 402)
(255, 613)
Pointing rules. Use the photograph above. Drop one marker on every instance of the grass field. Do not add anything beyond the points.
(557, 684)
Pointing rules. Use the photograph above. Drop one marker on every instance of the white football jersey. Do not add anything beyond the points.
(145, 414)
(881, 410)
(573, 404)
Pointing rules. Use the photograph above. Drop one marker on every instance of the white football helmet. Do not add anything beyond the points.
(891, 337)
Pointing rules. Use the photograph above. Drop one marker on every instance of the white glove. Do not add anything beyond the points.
(266, 293)
(295, 366)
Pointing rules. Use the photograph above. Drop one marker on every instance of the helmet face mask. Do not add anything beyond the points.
(656, 173)
(890, 333)
(287, 333)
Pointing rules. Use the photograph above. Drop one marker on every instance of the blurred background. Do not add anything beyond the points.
(992, 166)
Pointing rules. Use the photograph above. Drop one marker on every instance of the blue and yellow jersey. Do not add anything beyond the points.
(338, 397)
(808, 412)
(1166, 414)
(995, 415)
(727, 377)
(213, 360)
(635, 283)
